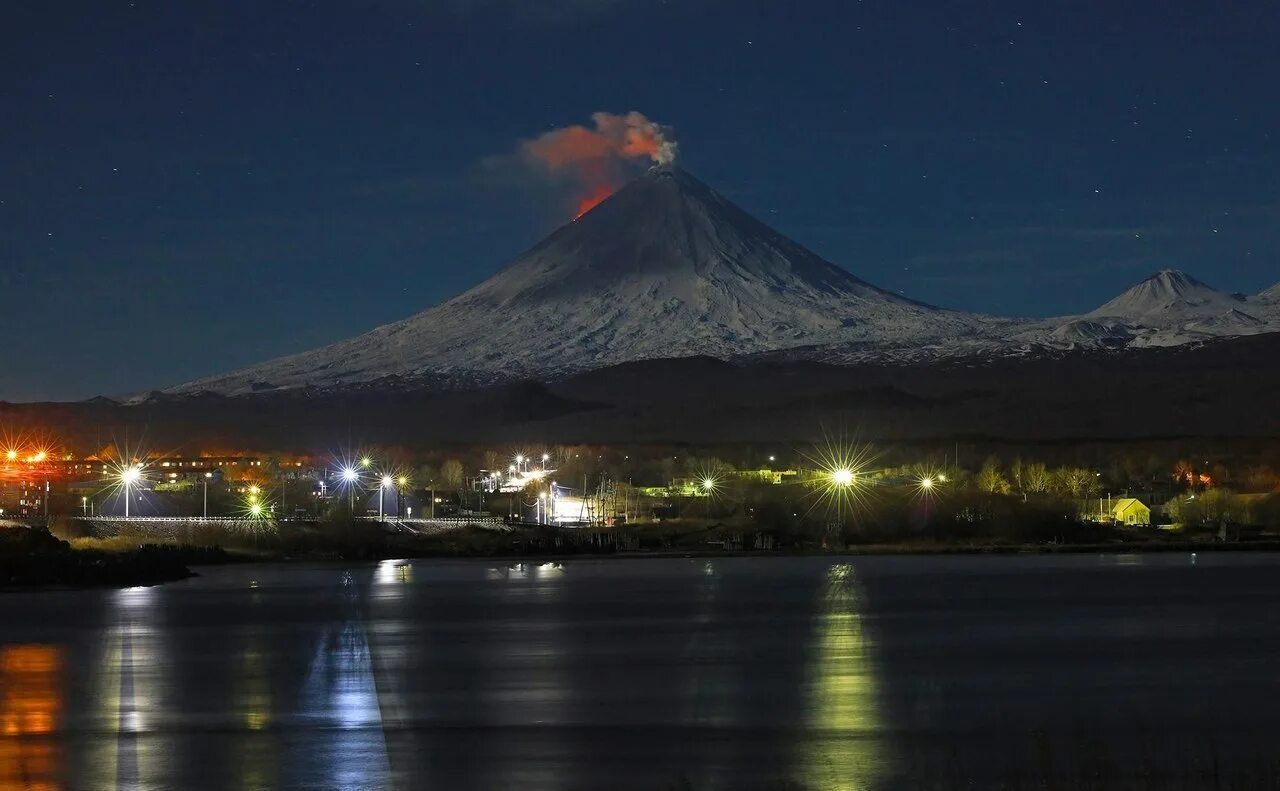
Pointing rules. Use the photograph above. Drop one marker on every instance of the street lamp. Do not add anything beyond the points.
(842, 477)
(386, 483)
(349, 477)
(129, 476)
(207, 476)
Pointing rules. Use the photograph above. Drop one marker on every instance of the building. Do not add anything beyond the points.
(1130, 511)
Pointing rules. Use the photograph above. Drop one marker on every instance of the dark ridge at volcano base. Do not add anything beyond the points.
(1217, 389)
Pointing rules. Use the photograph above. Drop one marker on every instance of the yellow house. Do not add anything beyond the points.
(1130, 511)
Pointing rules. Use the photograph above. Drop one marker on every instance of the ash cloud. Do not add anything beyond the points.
(591, 162)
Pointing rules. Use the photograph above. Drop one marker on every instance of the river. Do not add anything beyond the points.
(722, 673)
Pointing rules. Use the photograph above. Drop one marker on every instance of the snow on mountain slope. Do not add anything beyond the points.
(1168, 308)
(1270, 296)
(666, 267)
(1168, 295)
(1233, 322)
(1090, 331)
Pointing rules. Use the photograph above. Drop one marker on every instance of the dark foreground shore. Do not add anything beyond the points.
(33, 557)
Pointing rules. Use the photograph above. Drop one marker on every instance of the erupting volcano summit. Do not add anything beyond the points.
(665, 267)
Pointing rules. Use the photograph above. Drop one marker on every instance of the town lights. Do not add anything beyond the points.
(255, 510)
(365, 461)
(926, 483)
(11, 455)
(840, 481)
(403, 481)
(708, 485)
(386, 481)
(349, 475)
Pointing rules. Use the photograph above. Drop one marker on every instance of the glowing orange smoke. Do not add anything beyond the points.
(594, 199)
(593, 160)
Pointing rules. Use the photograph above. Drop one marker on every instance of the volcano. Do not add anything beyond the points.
(665, 267)
(1167, 294)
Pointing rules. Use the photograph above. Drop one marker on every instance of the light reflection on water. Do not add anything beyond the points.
(844, 752)
(30, 704)
(726, 673)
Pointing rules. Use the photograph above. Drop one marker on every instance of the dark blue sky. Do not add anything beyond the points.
(189, 187)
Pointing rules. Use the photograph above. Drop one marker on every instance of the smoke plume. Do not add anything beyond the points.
(594, 162)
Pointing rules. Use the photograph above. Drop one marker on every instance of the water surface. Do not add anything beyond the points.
(823, 673)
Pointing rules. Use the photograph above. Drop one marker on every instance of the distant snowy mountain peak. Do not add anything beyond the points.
(665, 267)
(1167, 293)
(1270, 295)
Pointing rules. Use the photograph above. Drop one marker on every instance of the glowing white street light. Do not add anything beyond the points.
(129, 476)
(349, 476)
(842, 477)
(385, 483)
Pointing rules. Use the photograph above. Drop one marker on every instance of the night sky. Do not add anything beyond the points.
(188, 187)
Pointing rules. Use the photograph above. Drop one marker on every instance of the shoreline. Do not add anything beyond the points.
(180, 561)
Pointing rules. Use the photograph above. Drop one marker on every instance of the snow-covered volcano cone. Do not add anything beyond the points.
(665, 267)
